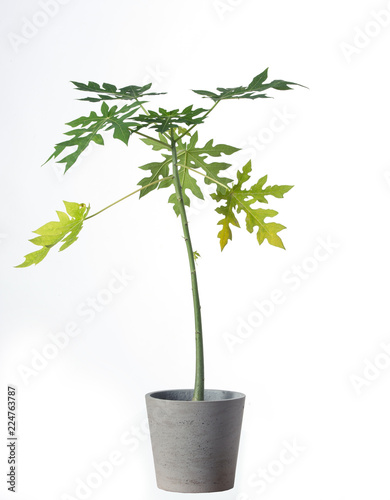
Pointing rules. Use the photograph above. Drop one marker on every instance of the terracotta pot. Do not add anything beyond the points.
(195, 443)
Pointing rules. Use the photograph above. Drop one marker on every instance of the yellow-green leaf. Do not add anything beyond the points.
(237, 199)
(65, 230)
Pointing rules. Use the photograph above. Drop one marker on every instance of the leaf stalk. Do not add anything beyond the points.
(204, 175)
(150, 137)
(128, 195)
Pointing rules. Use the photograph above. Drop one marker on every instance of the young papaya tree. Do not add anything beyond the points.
(184, 161)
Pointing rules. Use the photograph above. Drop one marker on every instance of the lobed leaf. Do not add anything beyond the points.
(108, 91)
(187, 182)
(237, 199)
(156, 145)
(158, 170)
(86, 129)
(188, 156)
(255, 89)
(164, 120)
(195, 157)
(65, 230)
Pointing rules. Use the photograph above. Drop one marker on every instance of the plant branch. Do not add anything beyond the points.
(149, 137)
(204, 175)
(199, 372)
(128, 195)
(142, 107)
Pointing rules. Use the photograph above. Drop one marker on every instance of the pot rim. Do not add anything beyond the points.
(232, 395)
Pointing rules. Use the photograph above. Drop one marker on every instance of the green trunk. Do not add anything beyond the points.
(199, 373)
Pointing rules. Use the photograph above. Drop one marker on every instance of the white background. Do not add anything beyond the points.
(308, 369)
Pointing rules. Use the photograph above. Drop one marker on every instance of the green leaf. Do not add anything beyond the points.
(98, 139)
(34, 257)
(86, 129)
(65, 230)
(195, 157)
(109, 88)
(158, 170)
(255, 90)
(188, 155)
(121, 130)
(187, 182)
(207, 93)
(108, 91)
(156, 145)
(237, 199)
(73, 209)
(164, 120)
(258, 80)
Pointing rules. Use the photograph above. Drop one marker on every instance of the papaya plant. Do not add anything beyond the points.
(184, 161)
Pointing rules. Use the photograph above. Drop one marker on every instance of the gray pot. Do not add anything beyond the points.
(195, 443)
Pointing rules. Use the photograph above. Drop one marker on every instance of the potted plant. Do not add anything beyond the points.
(195, 432)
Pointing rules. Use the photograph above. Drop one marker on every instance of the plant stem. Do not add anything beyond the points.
(128, 195)
(199, 372)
